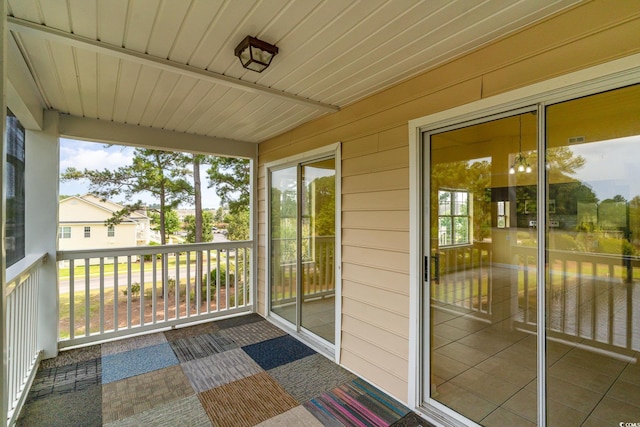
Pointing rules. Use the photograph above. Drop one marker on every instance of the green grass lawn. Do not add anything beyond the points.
(94, 270)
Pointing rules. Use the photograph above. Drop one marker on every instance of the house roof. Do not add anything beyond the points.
(99, 210)
(170, 65)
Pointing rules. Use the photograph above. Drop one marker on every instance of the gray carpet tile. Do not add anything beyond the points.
(239, 320)
(296, 417)
(252, 333)
(68, 357)
(135, 395)
(191, 331)
(218, 369)
(310, 377)
(186, 412)
(128, 344)
(80, 408)
(201, 346)
(65, 379)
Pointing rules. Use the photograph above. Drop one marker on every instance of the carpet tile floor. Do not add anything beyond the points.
(235, 372)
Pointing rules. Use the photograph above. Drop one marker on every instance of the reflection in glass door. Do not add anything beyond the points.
(302, 254)
(592, 247)
(482, 251)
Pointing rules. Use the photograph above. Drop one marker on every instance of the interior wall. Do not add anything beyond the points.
(375, 168)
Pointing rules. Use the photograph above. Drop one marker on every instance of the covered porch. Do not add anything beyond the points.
(303, 328)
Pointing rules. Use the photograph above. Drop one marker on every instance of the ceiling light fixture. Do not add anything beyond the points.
(255, 54)
(520, 163)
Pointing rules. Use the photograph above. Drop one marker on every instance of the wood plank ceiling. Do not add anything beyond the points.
(170, 64)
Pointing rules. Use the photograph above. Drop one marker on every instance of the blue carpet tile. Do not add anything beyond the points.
(135, 362)
(272, 353)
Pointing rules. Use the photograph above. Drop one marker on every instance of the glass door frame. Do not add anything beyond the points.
(428, 265)
(313, 340)
(537, 96)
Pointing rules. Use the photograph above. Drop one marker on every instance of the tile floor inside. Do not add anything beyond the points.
(241, 371)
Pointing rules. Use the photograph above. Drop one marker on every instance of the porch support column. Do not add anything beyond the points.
(4, 386)
(41, 215)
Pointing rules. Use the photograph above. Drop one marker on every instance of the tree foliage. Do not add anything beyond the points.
(207, 224)
(231, 179)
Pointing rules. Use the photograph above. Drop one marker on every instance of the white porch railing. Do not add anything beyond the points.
(21, 327)
(131, 290)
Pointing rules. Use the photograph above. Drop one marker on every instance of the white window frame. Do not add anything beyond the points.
(87, 232)
(64, 232)
(111, 230)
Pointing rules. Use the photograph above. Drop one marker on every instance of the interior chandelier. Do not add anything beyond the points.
(520, 163)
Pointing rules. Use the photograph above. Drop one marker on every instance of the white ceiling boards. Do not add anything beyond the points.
(170, 64)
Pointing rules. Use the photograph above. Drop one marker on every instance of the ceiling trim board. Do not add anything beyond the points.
(96, 130)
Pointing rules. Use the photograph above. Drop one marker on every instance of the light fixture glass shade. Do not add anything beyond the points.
(512, 170)
(255, 54)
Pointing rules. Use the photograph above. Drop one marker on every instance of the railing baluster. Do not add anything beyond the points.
(129, 291)
(72, 293)
(154, 284)
(177, 286)
(116, 319)
(142, 277)
(87, 297)
(235, 278)
(101, 295)
(187, 288)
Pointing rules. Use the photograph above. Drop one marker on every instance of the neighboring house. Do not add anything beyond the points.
(82, 225)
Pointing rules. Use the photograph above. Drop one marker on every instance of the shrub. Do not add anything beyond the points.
(135, 290)
(224, 278)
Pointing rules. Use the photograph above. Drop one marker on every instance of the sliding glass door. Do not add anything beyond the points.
(482, 253)
(303, 228)
(532, 301)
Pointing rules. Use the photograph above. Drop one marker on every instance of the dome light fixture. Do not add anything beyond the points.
(255, 54)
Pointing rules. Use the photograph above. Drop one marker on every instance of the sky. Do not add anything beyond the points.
(91, 155)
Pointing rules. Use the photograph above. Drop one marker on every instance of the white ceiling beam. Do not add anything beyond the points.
(48, 33)
(23, 97)
(88, 129)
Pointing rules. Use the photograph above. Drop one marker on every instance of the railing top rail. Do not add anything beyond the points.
(150, 250)
(20, 272)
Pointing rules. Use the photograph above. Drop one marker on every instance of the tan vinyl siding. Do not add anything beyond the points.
(375, 167)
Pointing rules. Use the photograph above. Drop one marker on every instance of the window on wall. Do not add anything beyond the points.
(87, 232)
(15, 194)
(453, 217)
(111, 231)
(64, 232)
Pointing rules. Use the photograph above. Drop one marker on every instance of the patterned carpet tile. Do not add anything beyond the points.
(252, 333)
(218, 369)
(311, 376)
(134, 343)
(191, 331)
(68, 357)
(201, 346)
(65, 379)
(295, 417)
(246, 402)
(277, 351)
(185, 412)
(135, 362)
(135, 395)
(81, 408)
(411, 420)
(238, 321)
(357, 403)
